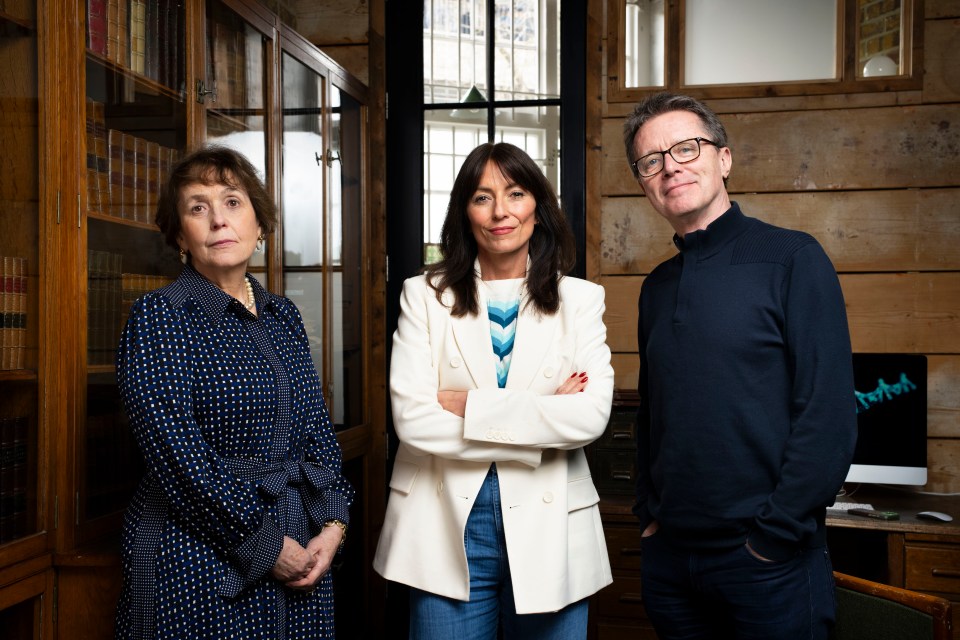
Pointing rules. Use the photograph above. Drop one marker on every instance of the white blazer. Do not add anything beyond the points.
(551, 520)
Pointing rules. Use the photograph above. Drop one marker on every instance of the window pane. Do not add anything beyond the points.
(536, 130)
(346, 209)
(798, 41)
(447, 141)
(302, 174)
(880, 38)
(643, 43)
(526, 51)
(305, 289)
(454, 49)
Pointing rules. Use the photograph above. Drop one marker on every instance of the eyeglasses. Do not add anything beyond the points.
(683, 152)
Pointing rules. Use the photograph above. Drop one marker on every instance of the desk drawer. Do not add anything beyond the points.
(623, 547)
(621, 599)
(933, 568)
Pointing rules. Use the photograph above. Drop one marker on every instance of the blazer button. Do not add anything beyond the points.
(548, 497)
(548, 372)
(455, 362)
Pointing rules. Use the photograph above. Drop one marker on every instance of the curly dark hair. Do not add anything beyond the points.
(551, 250)
(207, 165)
(665, 102)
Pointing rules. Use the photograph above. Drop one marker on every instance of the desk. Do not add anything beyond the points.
(921, 555)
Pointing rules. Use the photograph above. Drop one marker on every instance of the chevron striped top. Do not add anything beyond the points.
(503, 306)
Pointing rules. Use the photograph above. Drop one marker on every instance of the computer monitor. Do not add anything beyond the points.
(891, 396)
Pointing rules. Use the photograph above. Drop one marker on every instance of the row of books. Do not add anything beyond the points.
(110, 294)
(124, 172)
(145, 36)
(13, 319)
(227, 51)
(14, 477)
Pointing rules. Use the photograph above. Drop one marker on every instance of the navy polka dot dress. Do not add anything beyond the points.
(227, 411)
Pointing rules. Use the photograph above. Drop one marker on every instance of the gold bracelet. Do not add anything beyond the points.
(343, 528)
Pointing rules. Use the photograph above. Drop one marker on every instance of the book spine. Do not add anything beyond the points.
(115, 150)
(20, 311)
(153, 180)
(6, 315)
(124, 21)
(152, 39)
(6, 479)
(97, 26)
(102, 154)
(141, 178)
(114, 305)
(93, 306)
(129, 144)
(113, 30)
(93, 178)
(138, 34)
(21, 451)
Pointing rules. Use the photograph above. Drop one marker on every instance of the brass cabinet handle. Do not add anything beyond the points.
(945, 573)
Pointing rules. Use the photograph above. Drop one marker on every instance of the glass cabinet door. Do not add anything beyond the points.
(346, 209)
(234, 91)
(135, 116)
(21, 229)
(322, 160)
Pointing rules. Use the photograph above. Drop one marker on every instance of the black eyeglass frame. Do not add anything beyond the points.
(663, 154)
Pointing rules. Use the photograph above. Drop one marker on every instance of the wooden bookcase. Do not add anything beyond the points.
(97, 99)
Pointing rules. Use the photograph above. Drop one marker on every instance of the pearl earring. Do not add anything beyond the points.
(183, 256)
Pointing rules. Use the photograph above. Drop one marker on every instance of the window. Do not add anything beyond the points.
(785, 48)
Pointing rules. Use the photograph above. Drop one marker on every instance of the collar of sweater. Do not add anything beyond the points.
(708, 241)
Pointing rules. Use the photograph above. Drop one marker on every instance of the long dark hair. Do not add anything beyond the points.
(551, 249)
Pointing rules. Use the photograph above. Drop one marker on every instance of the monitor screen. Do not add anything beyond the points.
(891, 396)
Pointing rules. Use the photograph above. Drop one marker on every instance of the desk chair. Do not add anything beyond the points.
(872, 611)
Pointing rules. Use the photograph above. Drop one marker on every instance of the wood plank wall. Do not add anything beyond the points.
(874, 177)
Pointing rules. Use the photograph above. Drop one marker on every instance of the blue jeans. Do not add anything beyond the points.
(491, 590)
(713, 595)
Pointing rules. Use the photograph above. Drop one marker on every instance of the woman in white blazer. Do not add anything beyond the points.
(500, 375)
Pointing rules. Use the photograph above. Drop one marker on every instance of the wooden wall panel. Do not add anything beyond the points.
(941, 62)
(903, 230)
(941, 9)
(943, 396)
(888, 147)
(353, 58)
(909, 312)
(332, 21)
(943, 465)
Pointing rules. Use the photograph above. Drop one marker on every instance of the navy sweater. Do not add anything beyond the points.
(747, 421)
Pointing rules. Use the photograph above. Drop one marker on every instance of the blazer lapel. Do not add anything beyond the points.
(533, 343)
(472, 334)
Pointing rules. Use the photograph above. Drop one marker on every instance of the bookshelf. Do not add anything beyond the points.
(78, 245)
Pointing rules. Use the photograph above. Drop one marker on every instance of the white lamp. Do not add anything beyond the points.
(880, 66)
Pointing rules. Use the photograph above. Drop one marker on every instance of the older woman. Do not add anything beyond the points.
(500, 375)
(233, 529)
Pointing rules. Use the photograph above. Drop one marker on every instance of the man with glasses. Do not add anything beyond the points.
(747, 421)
